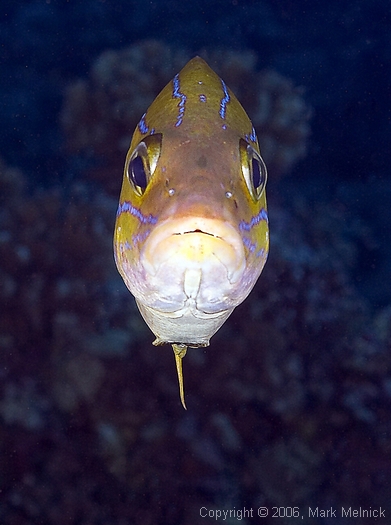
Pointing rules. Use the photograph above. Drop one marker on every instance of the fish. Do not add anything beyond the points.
(192, 232)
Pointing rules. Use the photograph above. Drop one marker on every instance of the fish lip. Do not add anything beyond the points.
(197, 231)
(216, 228)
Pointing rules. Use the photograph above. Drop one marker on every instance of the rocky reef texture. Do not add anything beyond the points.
(289, 406)
(100, 113)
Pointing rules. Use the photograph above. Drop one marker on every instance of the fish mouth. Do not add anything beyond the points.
(194, 261)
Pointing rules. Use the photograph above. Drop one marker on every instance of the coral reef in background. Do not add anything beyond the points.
(100, 113)
(288, 406)
(56, 253)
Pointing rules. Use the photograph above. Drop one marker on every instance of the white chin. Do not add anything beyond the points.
(193, 264)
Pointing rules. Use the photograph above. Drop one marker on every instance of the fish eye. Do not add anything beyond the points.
(258, 173)
(137, 174)
(254, 169)
(141, 163)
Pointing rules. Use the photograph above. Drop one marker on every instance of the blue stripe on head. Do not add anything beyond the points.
(182, 99)
(142, 125)
(253, 135)
(249, 245)
(127, 207)
(262, 216)
(224, 101)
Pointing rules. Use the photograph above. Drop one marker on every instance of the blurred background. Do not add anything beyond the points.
(290, 405)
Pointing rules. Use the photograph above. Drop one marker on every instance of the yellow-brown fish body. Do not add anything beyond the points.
(191, 235)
